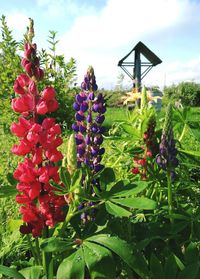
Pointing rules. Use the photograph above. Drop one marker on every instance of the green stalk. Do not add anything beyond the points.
(71, 214)
(47, 258)
(170, 199)
(66, 221)
(32, 250)
(38, 251)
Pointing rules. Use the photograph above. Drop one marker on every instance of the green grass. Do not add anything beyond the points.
(114, 114)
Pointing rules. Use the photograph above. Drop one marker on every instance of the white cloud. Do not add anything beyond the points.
(17, 21)
(101, 39)
(178, 71)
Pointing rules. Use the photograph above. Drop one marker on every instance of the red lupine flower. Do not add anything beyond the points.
(142, 162)
(32, 88)
(22, 148)
(39, 143)
(41, 107)
(23, 104)
(25, 171)
(135, 171)
(149, 153)
(48, 93)
(37, 156)
(52, 105)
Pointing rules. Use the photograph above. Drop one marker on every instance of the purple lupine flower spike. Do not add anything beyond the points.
(166, 159)
(89, 117)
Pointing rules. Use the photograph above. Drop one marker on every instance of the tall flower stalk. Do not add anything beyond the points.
(88, 127)
(90, 108)
(38, 143)
(166, 158)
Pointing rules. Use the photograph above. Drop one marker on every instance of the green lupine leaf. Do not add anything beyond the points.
(179, 262)
(156, 268)
(191, 253)
(76, 180)
(170, 268)
(131, 257)
(107, 176)
(73, 267)
(134, 132)
(32, 272)
(129, 190)
(10, 272)
(57, 244)
(65, 176)
(99, 261)
(116, 210)
(139, 203)
(189, 272)
(11, 179)
(190, 152)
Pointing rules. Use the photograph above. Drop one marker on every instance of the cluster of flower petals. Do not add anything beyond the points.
(38, 143)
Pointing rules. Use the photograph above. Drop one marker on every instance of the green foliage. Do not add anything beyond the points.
(63, 76)
(187, 92)
(10, 67)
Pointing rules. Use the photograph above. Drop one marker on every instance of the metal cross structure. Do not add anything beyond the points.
(137, 75)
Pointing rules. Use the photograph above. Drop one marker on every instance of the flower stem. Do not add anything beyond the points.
(38, 251)
(47, 259)
(67, 219)
(170, 199)
(32, 250)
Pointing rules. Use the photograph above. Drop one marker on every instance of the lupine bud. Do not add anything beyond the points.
(71, 155)
(144, 100)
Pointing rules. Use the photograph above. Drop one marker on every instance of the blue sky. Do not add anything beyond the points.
(101, 32)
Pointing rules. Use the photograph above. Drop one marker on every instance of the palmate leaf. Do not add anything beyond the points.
(137, 203)
(133, 259)
(72, 267)
(53, 244)
(32, 272)
(107, 176)
(119, 190)
(131, 130)
(10, 272)
(171, 268)
(189, 272)
(116, 210)
(156, 268)
(65, 177)
(99, 261)
(95, 254)
(190, 152)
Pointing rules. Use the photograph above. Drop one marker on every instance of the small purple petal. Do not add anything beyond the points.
(79, 117)
(98, 140)
(102, 151)
(76, 106)
(89, 118)
(84, 107)
(75, 127)
(94, 128)
(91, 96)
(100, 118)
(87, 140)
(82, 129)
(98, 167)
